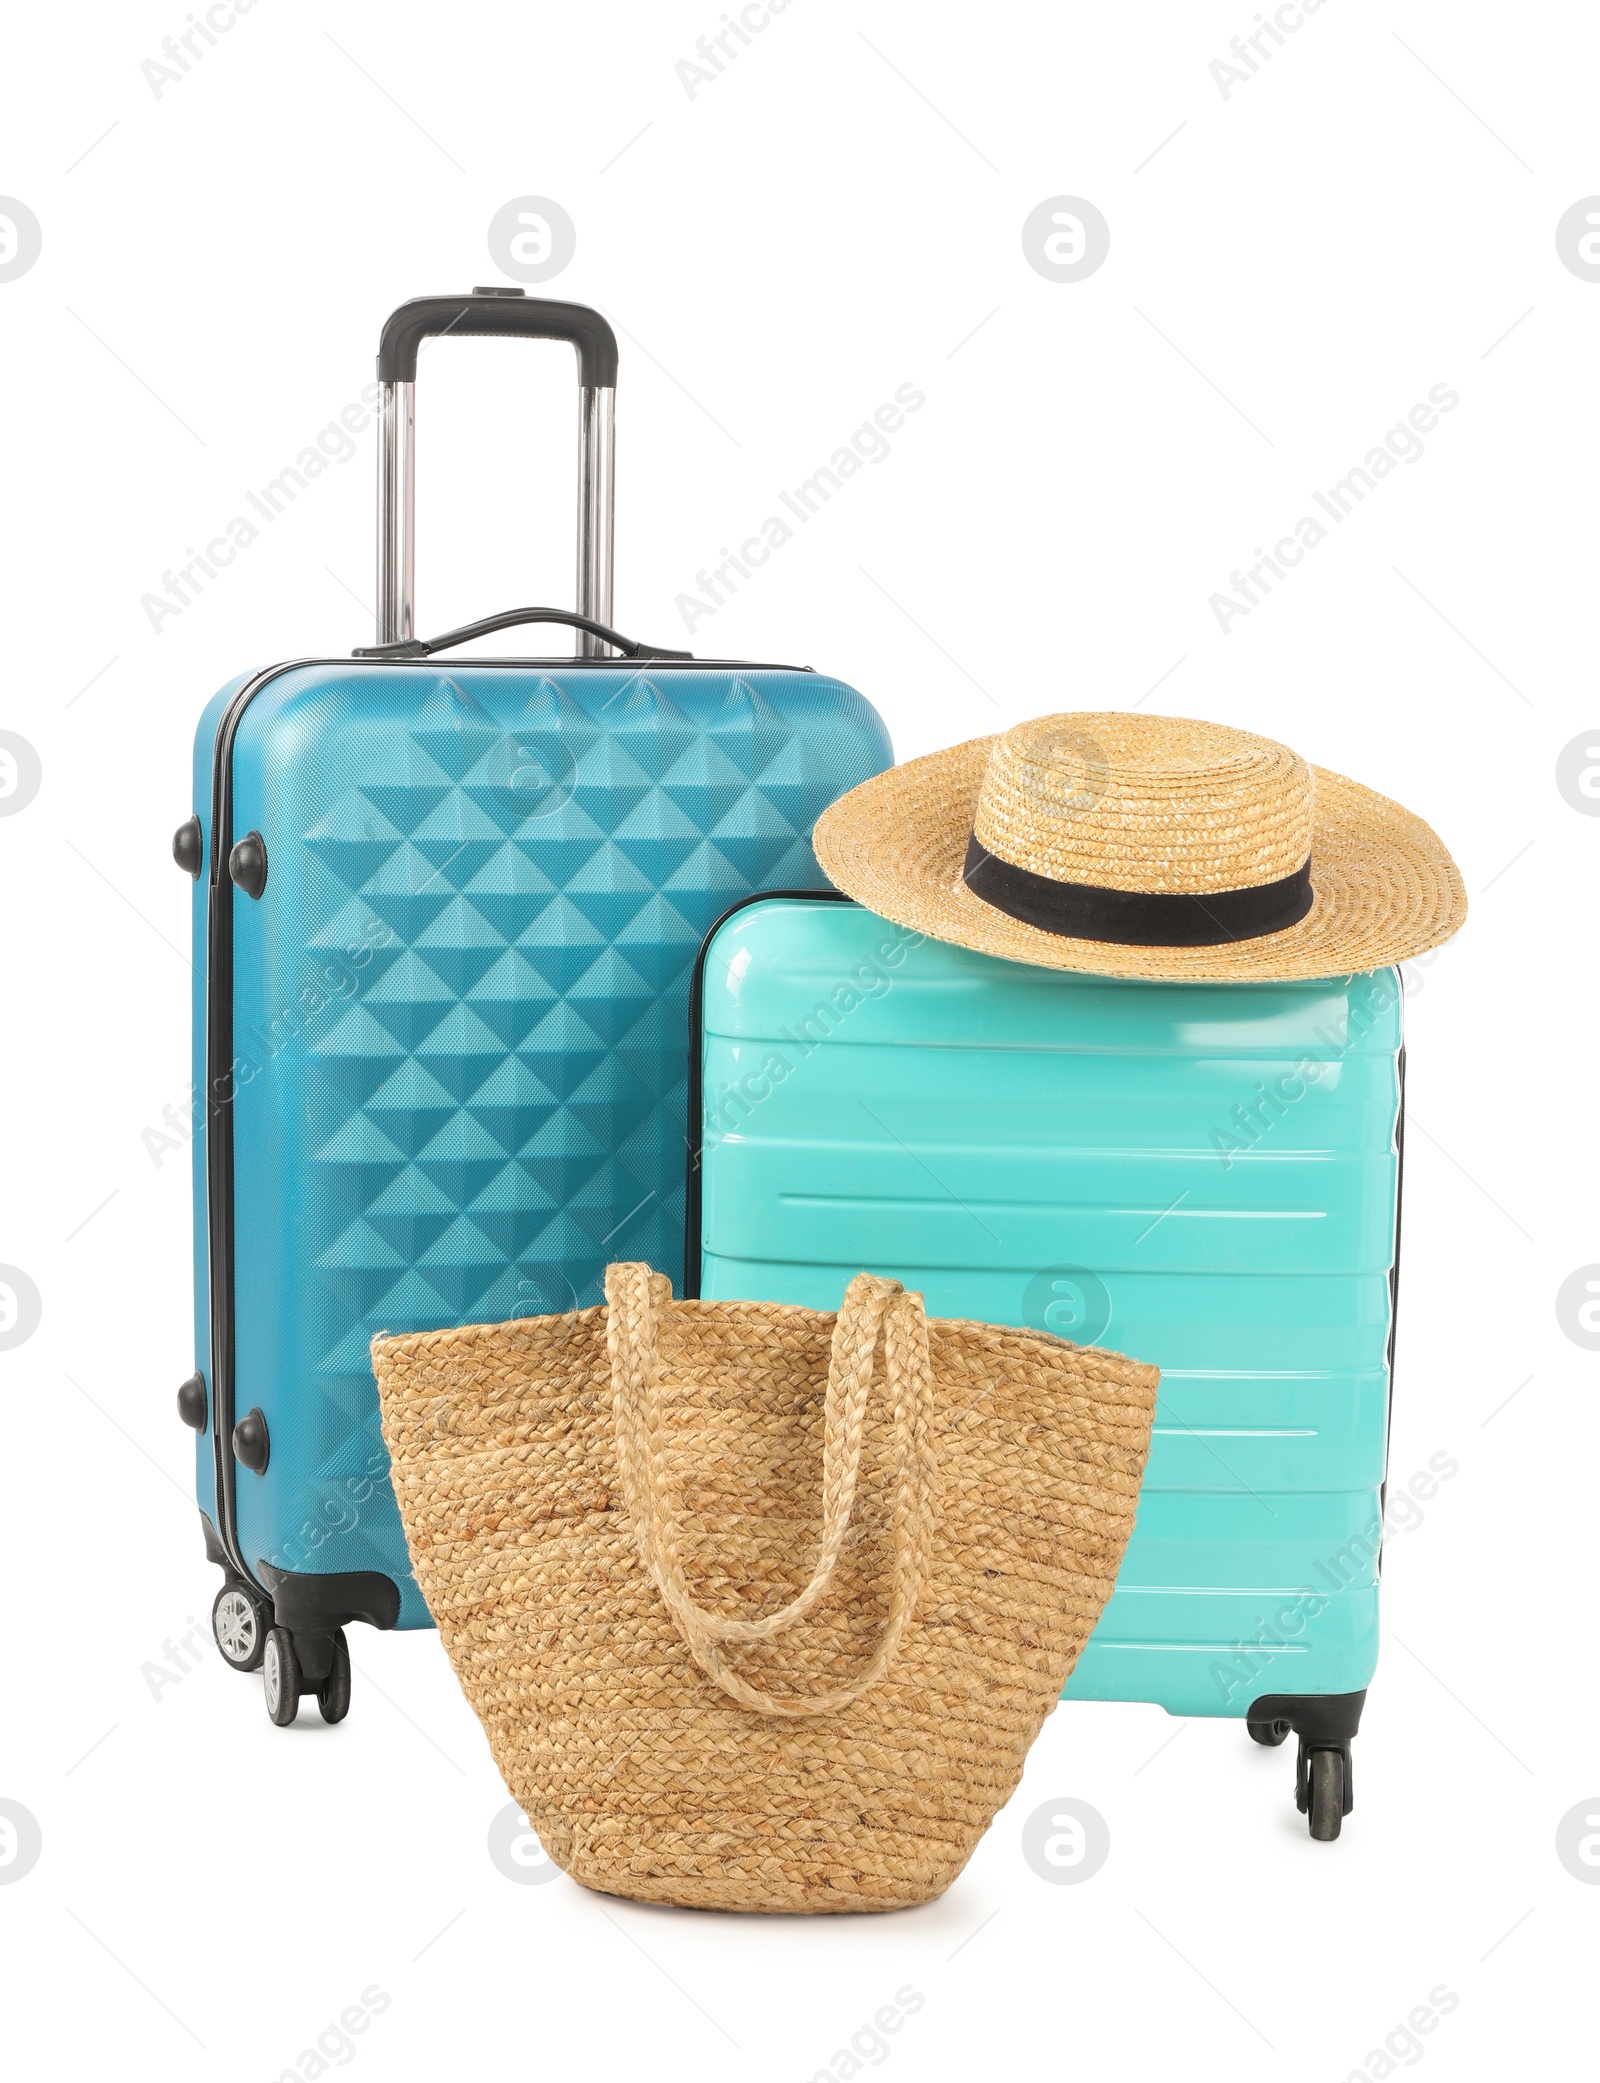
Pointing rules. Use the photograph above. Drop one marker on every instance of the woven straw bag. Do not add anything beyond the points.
(711, 1678)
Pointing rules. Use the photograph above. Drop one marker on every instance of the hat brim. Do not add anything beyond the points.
(1383, 886)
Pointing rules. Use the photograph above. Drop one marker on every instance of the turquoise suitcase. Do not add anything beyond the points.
(1202, 1176)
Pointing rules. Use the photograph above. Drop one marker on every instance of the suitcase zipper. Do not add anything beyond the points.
(219, 1119)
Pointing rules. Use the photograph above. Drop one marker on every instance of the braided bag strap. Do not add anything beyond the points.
(871, 1308)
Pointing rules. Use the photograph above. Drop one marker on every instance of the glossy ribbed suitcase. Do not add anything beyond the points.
(1202, 1176)
(445, 919)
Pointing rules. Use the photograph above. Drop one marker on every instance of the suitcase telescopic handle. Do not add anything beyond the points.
(424, 647)
(502, 313)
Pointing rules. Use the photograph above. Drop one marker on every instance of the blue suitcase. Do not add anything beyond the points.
(445, 920)
(1202, 1176)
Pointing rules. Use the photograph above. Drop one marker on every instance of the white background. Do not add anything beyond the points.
(838, 213)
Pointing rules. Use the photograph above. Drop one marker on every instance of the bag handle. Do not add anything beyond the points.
(635, 1297)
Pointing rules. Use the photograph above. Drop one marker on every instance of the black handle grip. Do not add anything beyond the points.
(424, 647)
(506, 314)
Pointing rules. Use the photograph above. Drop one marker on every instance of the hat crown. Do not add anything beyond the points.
(1148, 803)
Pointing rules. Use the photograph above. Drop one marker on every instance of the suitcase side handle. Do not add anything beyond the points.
(503, 313)
(425, 647)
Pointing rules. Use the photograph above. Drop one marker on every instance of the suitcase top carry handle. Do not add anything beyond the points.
(504, 313)
(424, 647)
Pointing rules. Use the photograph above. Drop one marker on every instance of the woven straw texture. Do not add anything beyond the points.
(760, 1607)
(1150, 803)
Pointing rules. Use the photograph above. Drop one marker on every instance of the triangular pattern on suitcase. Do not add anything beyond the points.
(499, 1109)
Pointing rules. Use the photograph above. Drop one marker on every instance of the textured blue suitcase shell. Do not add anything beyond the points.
(1202, 1176)
(460, 1016)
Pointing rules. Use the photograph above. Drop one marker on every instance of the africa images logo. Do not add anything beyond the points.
(1403, 443)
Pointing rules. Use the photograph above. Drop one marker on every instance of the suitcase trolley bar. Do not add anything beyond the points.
(501, 313)
(289, 1624)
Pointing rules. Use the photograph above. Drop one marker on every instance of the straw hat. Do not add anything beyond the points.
(1144, 846)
